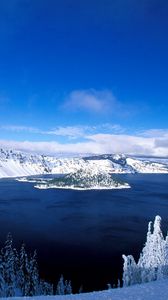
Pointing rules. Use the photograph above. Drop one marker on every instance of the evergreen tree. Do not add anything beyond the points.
(2, 282)
(153, 254)
(45, 288)
(81, 289)
(130, 271)
(109, 287)
(165, 267)
(23, 273)
(34, 275)
(19, 275)
(153, 261)
(60, 286)
(68, 287)
(9, 269)
(118, 283)
(16, 267)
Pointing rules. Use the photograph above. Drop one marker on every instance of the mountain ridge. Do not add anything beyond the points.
(16, 163)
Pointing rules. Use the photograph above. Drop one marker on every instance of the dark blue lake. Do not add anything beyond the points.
(82, 234)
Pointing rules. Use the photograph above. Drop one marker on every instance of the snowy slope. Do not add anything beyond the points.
(156, 290)
(121, 163)
(15, 163)
(145, 166)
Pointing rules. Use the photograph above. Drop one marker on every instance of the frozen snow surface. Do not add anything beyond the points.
(15, 164)
(156, 290)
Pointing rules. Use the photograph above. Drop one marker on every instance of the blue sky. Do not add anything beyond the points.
(84, 76)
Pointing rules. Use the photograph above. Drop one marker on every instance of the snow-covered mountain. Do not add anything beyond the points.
(15, 164)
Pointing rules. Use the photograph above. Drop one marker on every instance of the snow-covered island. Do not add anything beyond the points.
(84, 180)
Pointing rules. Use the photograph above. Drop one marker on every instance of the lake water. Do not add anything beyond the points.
(83, 234)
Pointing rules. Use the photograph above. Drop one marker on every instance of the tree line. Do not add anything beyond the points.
(19, 274)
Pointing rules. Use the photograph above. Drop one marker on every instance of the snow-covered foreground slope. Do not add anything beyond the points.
(14, 164)
(156, 290)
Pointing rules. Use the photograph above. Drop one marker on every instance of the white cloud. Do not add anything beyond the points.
(112, 143)
(16, 128)
(70, 131)
(49, 147)
(66, 131)
(116, 128)
(161, 143)
(97, 143)
(155, 133)
(103, 138)
(92, 100)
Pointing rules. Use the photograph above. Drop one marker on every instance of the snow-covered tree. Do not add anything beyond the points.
(60, 286)
(109, 286)
(33, 275)
(19, 275)
(68, 287)
(118, 283)
(153, 261)
(23, 272)
(2, 281)
(165, 267)
(16, 266)
(130, 271)
(63, 288)
(9, 266)
(45, 288)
